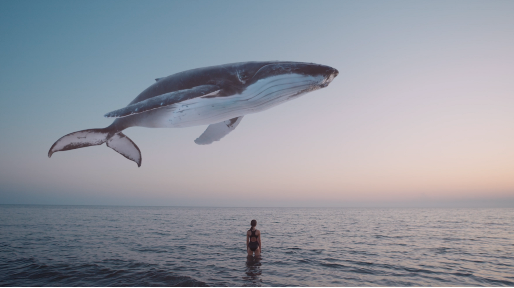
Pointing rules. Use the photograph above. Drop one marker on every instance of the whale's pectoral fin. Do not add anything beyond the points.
(165, 100)
(123, 145)
(217, 131)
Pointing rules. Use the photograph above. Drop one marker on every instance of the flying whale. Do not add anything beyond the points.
(218, 96)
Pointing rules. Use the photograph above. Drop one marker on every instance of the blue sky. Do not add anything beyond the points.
(421, 111)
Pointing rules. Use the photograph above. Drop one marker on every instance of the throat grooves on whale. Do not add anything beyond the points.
(260, 96)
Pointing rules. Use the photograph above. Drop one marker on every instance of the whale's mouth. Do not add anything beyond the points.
(329, 79)
(293, 68)
(281, 87)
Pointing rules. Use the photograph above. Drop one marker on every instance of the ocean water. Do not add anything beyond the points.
(172, 246)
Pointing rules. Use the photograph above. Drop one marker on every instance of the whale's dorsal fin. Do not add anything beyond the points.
(164, 100)
(157, 79)
(217, 131)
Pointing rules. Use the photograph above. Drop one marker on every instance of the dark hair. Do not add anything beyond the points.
(253, 223)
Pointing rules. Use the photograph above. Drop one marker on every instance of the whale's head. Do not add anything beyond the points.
(248, 73)
(295, 76)
(278, 79)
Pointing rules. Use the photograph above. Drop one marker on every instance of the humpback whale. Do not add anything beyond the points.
(218, 96)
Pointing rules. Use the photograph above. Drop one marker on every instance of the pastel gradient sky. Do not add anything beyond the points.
(422, 112)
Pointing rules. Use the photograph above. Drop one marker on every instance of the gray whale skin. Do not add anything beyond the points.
(218, 96)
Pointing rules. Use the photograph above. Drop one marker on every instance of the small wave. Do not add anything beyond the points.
(93, 274)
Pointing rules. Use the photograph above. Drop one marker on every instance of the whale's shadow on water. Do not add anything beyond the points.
(253, 271)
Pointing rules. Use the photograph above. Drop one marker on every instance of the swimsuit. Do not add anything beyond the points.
(255, 244)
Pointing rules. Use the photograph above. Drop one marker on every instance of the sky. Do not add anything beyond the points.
(421, 114)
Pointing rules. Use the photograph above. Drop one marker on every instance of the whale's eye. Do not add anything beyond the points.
(243, 76)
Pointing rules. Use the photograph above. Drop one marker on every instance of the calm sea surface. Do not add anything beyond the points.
(169, 246)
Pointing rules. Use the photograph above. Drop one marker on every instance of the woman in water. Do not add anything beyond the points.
(253, 240)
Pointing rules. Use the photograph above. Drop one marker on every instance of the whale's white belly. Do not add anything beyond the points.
(262, 95)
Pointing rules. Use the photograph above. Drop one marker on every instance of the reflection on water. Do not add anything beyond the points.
(253, 271)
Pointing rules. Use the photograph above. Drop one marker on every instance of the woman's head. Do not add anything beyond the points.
(253, 223)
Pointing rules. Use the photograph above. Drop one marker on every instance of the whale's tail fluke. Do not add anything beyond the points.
(91, 137)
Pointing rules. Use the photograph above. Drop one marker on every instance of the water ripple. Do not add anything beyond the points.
(170, 246)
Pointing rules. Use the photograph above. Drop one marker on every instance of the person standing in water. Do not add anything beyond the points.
(253, 240)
